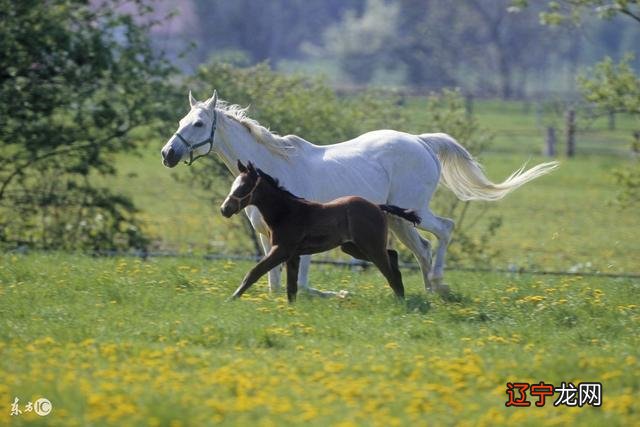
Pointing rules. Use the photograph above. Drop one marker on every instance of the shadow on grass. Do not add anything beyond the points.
(417, 304)
(455, 297)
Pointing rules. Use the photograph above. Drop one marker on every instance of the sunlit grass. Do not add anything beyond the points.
(130, 342)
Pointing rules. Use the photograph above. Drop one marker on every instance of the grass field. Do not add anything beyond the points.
(130, 342)
(121, 341)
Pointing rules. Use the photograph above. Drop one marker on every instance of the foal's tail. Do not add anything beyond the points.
(463, 175)
(408, 214)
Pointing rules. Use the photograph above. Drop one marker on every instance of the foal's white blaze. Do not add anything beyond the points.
(235, 185)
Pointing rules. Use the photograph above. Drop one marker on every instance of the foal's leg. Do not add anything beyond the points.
(419, 246)
(394, 277)
(275, 273)
(379, 255)
(275, 256)
(292, 277)
(351, 249)
(393, 260)
(262, 229)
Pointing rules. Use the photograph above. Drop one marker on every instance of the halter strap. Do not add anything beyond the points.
(192, 147)
(249, 194)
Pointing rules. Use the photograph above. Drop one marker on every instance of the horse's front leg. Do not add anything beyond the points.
(275, 256)
(303, 281)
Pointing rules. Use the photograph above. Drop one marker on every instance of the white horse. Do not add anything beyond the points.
(383, 166)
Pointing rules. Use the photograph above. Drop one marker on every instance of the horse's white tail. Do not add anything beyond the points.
(463, 175)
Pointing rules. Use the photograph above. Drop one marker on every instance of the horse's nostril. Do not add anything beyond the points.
(170, 153)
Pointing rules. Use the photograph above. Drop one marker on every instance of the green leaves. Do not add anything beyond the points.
(612, 87)
(77, 79)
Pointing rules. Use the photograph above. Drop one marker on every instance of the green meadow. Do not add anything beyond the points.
(129, 342)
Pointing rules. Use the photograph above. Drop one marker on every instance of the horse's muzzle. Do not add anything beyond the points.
(226, 210)
(170, 158)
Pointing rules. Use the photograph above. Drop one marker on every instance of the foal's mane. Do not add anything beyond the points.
(276, 184)
(283, 146)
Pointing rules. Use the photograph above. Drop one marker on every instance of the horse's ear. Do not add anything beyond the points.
(192, 100)
(211, 102)
(241, 167)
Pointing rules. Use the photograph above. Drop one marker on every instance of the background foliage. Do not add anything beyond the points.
(76, 83)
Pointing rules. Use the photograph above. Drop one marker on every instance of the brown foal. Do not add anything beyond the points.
(300, 227)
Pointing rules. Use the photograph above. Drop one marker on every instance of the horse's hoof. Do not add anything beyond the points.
(443, 290)
(437, 286)
(342, 294)
(324, 294)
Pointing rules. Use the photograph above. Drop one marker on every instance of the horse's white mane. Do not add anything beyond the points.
(280, 145)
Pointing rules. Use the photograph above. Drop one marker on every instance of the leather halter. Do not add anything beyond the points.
(239, 200)
(192, 147)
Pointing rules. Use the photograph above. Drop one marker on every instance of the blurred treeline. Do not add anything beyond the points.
(83, 84)
(485, 47)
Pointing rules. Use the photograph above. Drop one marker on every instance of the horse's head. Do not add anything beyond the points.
(242, 190)
(195, 135)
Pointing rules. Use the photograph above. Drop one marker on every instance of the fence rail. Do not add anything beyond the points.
(353, 263)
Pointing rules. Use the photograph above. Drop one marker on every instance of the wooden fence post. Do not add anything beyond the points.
(571, 132)
(612, 120)
(468, 104)
(550, 146)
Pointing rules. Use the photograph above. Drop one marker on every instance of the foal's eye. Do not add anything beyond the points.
(198, 124)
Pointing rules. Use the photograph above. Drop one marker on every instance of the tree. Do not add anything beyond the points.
(361, 42)
(77, 81)
(264, 30)
(477, 43)
(610, 87)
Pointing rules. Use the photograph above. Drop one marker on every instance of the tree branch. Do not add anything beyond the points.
(627, 12)
(65, 150)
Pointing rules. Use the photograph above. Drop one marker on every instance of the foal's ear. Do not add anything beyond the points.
(241, 167)
(192, 100)
(252, 169)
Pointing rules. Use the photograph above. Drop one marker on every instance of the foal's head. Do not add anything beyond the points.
(242, 190)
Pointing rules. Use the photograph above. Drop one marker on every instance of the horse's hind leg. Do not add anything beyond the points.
(442, 228)
(419, 246)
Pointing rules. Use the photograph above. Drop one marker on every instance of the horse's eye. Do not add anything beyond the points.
(198, 124)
